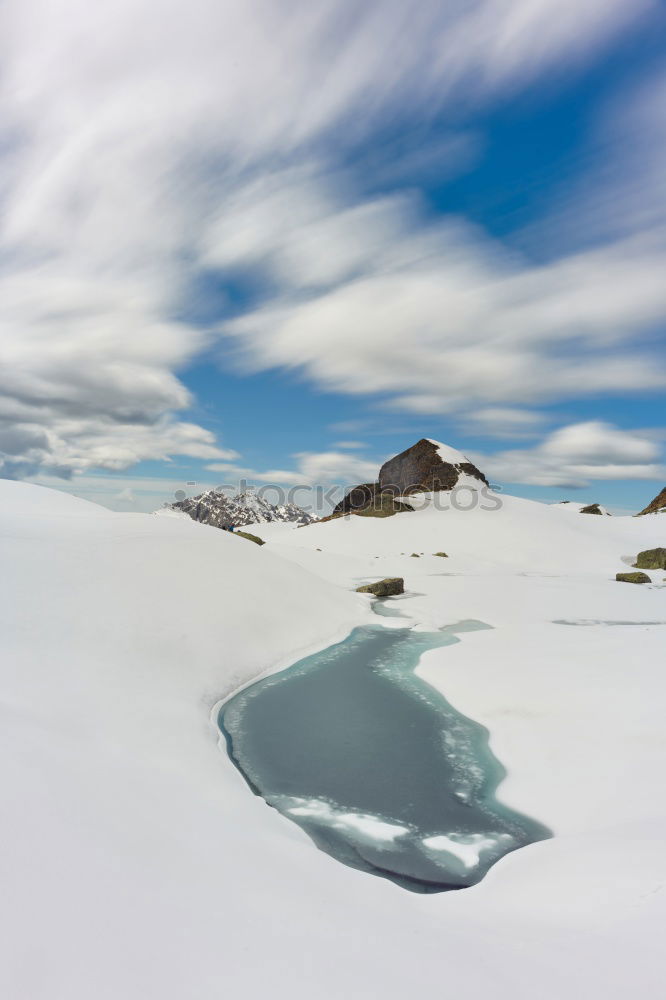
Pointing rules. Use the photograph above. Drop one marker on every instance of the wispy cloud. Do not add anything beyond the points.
(124, 493)
(440, 318)
(310, 468)
(133, 133)
(576, 455)
(504, 422)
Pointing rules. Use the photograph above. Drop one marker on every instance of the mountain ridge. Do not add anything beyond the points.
(221, 511)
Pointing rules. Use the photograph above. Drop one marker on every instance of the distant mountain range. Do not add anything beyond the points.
(222, 511)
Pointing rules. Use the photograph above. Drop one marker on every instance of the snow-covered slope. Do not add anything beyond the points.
(219, 510)
(135, 863)
(495, 532)
(128, 863)
(570, 685)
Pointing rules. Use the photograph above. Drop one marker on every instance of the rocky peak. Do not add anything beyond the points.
(427, 466)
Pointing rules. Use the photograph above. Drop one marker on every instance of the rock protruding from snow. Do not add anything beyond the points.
(428, 466)
(250, 537)
(594, 508)
(221, 511)
(651, 559)
(632, 578)
(384, 588)
(582, 508)
(357, 498)
(658, 505)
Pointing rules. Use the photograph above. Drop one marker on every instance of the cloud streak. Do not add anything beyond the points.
(439, 318)
(136, 137)
(578, 454)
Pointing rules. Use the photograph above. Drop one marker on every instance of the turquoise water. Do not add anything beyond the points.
(374, 764)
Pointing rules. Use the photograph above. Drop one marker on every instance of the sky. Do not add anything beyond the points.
(275, 243)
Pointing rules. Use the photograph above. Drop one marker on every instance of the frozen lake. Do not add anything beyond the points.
(374, 764)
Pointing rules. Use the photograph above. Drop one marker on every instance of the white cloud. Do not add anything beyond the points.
(130, 127)
(126, 496)
(442, 319)
(335, 467)
(574, 456)
(504, 421)
(114, 491)
(311, 468)
(596, 441)
(298, 229)
(65, 445)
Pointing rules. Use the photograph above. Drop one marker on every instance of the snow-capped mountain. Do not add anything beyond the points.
(222, 511)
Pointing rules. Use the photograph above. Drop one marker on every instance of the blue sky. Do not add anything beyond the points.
(282, 242)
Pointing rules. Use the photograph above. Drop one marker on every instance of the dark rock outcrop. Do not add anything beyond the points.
(421, 469)
(632, 578)
(657, 506)
(593, 508)
(443, 554)
(357, 498)
(651, 559)
(384, 588)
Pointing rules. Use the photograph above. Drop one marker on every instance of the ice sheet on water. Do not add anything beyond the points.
(367, 826)
(374, 763)
(470, 848)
